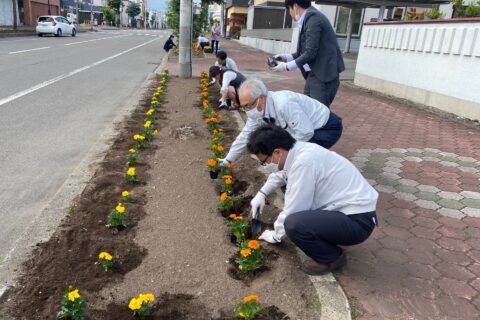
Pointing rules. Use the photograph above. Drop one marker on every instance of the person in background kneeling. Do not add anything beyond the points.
(328, 203)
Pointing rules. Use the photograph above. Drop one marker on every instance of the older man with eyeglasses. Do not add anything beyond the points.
(304, 118)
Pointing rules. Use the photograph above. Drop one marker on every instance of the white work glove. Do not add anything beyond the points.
(211, 82)
(257, 203)
(280, 57)
(222, 103)
(223, 162)
(281, 66)
(269, 236)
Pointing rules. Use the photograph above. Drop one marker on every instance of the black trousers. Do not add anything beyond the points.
(330, 133)
(214, 49)
(321, 91)
(318, 233)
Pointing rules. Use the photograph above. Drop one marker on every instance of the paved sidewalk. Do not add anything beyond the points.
(423, 261)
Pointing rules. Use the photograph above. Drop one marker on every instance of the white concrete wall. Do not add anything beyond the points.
(435, 63)
(270, 46)
(6, 13)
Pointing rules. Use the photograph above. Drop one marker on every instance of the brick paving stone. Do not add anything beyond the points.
(450, 232)
(454, 244)
(403, 204)
(426, 222)
(450, 204)
(471, 212)
(473, 222)
(475, 269)
(450, 195)
(425, 233)
(455, 223)
(472, 203)
(449, 187)
(453, 257)
(428, 188)
(456, 308)
(420, 270)
(457, 288)
(454, 271)
(451, 213)
(427, 196)
(427, 204)
(473, 232)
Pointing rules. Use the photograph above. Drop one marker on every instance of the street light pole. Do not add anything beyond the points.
(91, 15)
(49, 11)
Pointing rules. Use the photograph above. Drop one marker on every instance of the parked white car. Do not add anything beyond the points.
(56, 25)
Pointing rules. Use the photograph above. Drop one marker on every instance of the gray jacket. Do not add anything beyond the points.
(318, 47)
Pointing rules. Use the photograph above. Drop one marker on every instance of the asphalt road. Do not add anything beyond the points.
(57, 96)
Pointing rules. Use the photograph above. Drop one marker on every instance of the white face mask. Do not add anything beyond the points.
(296, 16)
(254, 114)
(272, 167)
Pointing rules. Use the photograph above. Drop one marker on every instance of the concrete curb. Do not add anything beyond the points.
(50, 217)
(332, 298)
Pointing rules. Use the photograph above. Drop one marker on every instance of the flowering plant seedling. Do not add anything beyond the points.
(143, 305)
(250, 256)
(212, 123)
(73, 306)
(150, 115)
(132, 157)
(212, 165)
(139, 141)
(105, 260)
(238, 227)
(249, 308)
(227, 183)
(117, 218)
(131, 175)
(127, 197)
(148, 130)
(226, 201)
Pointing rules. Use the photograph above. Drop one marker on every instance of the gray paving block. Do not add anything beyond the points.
(450, 204)
(451, 213)
(427, 196)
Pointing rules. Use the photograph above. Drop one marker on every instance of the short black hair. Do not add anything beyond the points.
(172, 36)
(267, 138)
(214, 70)
(302, 3)
(221, 55)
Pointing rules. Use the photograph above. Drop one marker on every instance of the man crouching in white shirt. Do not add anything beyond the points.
(304, 118)
(328, 203)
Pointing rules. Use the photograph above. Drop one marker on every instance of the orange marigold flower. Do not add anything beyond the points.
(220, 148)
(214, 131)
(246, 253)
(213, 147)
(232, 216)
(224, 196)
(220, 130)
(205, 103)
(252, 297)
(231, 165)
(220, 116)
(254, 244)
(204, 94)
(226, 176)
(238, 218)
(212, 163)
(228, 181)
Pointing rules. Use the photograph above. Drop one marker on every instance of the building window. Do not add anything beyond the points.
(342, 21)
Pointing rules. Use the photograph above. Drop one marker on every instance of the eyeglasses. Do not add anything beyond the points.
(250, 105)
(264, 162)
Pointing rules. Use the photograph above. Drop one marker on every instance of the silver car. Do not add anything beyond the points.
(56, 25)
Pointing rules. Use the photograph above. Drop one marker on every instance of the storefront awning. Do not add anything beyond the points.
(379, 3)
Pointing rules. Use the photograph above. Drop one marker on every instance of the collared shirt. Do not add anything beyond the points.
(291, 65)
(228, 77)
(229, 64)
(299, 114)
(318, 178)
(202, 40)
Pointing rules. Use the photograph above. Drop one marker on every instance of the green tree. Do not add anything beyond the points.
(109, 15)
(463, 11)
(133, 10)
(114, 5)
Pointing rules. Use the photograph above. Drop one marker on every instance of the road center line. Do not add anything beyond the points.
(21, 51)
(72, 43)
(67, 75)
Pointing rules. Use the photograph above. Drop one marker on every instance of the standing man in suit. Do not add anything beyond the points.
(318, 55)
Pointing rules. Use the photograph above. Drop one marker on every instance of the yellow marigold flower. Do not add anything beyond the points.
(252, 297)
(211, 163)
(105, 256)
(147, 124)
(228, 181)
(147, 297)
(132, 150)
(131, 171)
(155, 132)
(224, 196)
(138, 137)
(120, 208)
(214, 131)
(254, 244)
(241, 314)
(204, 94)
(73, 295)
(220, 148)
(220, 130)
(246, 252)
(213, 147)
(125, 193)
(150, 112)
(135, 304)
(238, 218)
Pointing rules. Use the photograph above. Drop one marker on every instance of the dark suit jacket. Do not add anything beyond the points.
(318, 46)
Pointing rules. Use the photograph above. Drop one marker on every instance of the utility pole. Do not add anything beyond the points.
(91, 15)
(78, 18)
(185, 41)
(49, 11)
(14, 3)
(349, 32)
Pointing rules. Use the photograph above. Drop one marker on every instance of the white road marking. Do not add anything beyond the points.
(67, 75)
(72, 43)
(21, 51)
